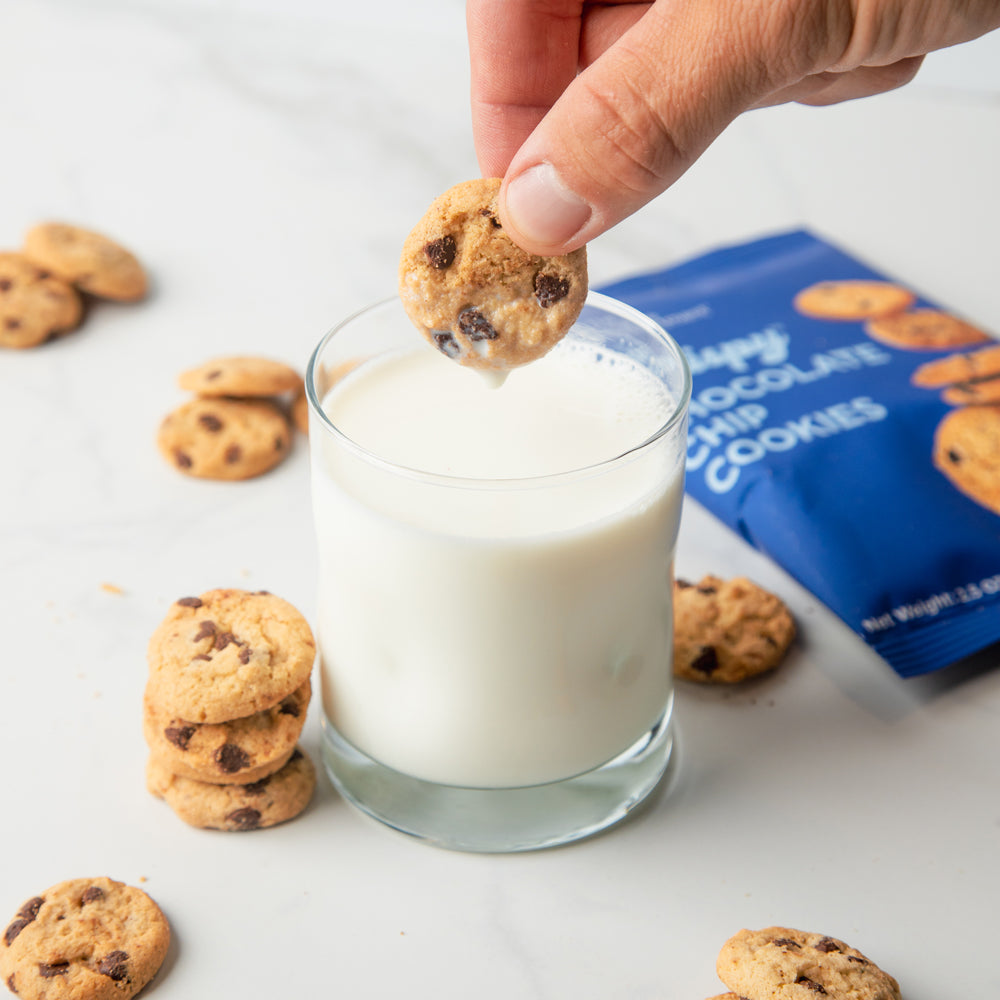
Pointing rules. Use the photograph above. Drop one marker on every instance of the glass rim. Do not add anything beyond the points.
(598, 300)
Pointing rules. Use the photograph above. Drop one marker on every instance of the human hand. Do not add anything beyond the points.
(590, 110)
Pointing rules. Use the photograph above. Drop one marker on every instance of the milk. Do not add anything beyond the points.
(495, 602)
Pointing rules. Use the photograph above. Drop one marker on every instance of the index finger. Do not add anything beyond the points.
(523, 54)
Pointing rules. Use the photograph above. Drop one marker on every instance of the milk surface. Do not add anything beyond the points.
(480, 626)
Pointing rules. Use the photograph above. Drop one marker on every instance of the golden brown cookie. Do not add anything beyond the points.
(973, 393)
(275, 799)
(779, 963)
(241, 376)
(235, 752)
(228, 654)
(90, 261)
(969, 366)
(924, 330)
(34, 306)
(478, 297)
(853, 300)
(728, 630)
(967, 451)
(84, 939)
(226, 439)
(299, 411)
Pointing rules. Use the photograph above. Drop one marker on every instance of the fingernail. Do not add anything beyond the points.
(541, 207)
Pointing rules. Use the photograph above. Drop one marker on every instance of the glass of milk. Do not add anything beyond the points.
(494, 612)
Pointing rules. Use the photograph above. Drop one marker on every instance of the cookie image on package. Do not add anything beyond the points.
(966, 379)
(967, 451)
(228, 439)
(726, 631)
(924, 330)
(228, 654)
(241, 376)
(92, 262)
(274, 799)
(779, 963)
(236, 752)
(478, 297)
(34, 305)
(84, 939)
(853, 300)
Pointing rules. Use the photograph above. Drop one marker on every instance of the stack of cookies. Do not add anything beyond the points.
(43, 285)
(225, 703)
(239, 423)
(779, 963)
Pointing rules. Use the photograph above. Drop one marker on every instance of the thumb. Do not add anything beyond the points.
(635, 119)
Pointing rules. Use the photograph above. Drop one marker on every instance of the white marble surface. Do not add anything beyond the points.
(265, 160)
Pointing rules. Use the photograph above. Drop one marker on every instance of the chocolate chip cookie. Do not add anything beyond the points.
(34, 305)
(228, 439)
(853, 300)
(924, 330)
(955, 369)
(726, 631)
(779, 963)
(92, 262)
(84, 939)
(478, 297)
(228, 654)
(967, 450)
(235, 752)
(274, 799)
(241, 375)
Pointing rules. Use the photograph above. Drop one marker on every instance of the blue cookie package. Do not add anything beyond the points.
(819, 431)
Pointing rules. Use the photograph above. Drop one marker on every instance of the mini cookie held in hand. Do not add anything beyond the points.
(726, 631)
(779, 963)
(478, 297)
(92, 262)
(84, 939)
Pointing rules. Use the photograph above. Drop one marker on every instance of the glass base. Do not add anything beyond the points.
(500, 819)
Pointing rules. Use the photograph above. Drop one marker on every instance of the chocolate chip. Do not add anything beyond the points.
(206, 629)
(244, 819)
(489, 215)
(683, 584)
(549, 289)
(113, 965)
(5, 284)
(279, 443)
(858, 959)
(707, 588)
(257, 787)
(25, 915)
(180, 736)
(94, 892)
(446, 343)
(289, 707)
(231, 758)
(210, 422)
(201, 656)
(707, 660)
(440, 253)
(190, 602)
(475, 325)
(954, 457)
(50, 970)
(826, 944)
(245, 653)
(183, 460)
(815, 987)
(223, 639)
(296, 755)
(10, 984)
(11, 323)
(213, 374)
(787, 943)
(233, 454)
